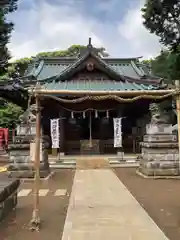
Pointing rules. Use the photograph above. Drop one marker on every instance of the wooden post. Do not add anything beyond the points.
(90, 130)
(177, 83)
(35, 222)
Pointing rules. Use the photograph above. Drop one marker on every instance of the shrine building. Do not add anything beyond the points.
(84, 92)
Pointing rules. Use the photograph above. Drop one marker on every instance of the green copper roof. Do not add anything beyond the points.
(103, 85)
(123, 74)
(48, 68)
(51, 70)
(125, 70)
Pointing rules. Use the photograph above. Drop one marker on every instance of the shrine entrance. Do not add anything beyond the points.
(90, 131)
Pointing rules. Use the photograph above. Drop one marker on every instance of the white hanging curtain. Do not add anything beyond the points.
(117, 132)
(55, 132)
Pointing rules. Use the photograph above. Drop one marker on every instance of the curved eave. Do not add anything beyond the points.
(70, 70)
(14, 93)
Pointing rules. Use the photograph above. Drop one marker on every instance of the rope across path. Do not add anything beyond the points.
(112, 97)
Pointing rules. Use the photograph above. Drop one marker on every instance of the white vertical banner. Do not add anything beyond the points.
(117, 132)
(55, 132)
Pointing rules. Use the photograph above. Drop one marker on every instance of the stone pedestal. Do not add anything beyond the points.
(8, 196)
(160, 154)
(22, 155)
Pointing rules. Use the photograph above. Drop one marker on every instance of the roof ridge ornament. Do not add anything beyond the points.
(90, 46)
(87, 49)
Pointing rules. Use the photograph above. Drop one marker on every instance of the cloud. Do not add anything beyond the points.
(48, 27)
(137, 36)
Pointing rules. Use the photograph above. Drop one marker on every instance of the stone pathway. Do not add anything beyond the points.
(42, 192)
(102, 208)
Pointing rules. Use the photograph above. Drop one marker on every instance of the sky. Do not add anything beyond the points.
(48, 25)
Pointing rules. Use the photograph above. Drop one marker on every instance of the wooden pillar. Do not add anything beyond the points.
(119, 114)
(35, 222)
(61, 150)
(177, 83)
(102, 132)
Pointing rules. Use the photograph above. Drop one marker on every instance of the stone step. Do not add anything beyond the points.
(125, 165)
(113, 163)
(4, 158)
(42, 192)
(62, 164)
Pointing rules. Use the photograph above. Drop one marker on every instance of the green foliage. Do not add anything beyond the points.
(72, 51)
(162, 17)
(6, 28)
(173, 65)
(159, 65)
(9, 115)
(166, 65)
(21, 65)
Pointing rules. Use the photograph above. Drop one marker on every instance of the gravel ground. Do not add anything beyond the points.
(52, 211)
(160, 198)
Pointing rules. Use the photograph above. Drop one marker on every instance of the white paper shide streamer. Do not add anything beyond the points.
(117, 132)
(55, 132)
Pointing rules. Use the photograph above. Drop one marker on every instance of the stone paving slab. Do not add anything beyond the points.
(42, 192)
(92, 163)
(101, 207)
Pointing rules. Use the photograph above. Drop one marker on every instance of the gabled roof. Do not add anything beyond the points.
(47, 68)
(50, 67)
(71, 69)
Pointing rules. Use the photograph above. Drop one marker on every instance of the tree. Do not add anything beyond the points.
(9, 115)
(162, 17)
(165, 66)
(6, 7)
(72, 51)
(159, 66)
(21, 65)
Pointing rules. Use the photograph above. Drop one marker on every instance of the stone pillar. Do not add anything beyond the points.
(21, 152)
(160, 146)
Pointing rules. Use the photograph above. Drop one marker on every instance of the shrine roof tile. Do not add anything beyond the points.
(51, 69)
(103, 85)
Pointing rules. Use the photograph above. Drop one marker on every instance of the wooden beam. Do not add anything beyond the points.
(118, 93)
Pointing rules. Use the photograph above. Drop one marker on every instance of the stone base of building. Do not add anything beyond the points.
(158, 171)
(22, 157)
(138, 172)
(27, 171)
(8, 197)
(25, 174)
(160, 154)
